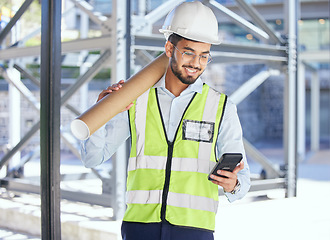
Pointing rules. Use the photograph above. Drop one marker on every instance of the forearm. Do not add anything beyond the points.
(104, 142)
(230, 140)
(244, 179)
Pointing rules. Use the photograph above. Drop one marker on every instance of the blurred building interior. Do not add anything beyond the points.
(274, 63)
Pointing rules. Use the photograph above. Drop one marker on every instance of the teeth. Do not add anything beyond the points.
(191, 70)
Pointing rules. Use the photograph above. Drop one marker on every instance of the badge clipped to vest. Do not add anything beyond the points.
(200, 131)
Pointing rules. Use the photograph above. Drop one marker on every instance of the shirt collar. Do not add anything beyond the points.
(197, 86)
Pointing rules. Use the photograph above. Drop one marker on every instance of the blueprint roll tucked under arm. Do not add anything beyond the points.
(112, 104)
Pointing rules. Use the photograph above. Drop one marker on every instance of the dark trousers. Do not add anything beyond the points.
(162, 231)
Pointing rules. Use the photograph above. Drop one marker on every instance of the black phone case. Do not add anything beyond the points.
(227, 162)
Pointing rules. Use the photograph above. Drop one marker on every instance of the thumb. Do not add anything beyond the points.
(239, 167)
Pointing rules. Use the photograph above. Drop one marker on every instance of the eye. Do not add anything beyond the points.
(204, 56)
(189, 54)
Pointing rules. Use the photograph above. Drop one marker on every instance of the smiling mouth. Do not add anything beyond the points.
(191, 70)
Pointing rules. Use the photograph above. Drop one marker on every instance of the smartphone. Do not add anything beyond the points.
(227, 162)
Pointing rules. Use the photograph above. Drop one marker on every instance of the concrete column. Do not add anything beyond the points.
(142, 7)
(315, 112)
(84, 26)
(14, 103)
(301, 112)
(290, 101)
(14, 117)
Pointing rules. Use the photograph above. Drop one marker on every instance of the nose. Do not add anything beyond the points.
(195, 61)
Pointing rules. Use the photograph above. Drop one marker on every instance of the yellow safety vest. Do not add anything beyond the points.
(167, 181)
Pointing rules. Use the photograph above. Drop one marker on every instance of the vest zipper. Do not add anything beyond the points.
(167, 180)
(169, 157)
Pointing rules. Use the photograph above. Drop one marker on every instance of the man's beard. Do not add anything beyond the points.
(175, 69)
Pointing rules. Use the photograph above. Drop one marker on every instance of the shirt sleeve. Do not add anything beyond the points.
(104, 142)
(230, 140)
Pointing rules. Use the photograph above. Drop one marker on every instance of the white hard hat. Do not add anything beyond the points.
(194, 21)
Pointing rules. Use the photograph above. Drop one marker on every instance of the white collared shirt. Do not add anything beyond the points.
(105, 141)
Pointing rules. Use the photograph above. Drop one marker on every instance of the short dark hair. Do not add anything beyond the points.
(175, 38)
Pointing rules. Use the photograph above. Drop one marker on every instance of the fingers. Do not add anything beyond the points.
(128, 107)
(116, 86)
(225, 176)
(229, 181)
(103, 94)
(110, 89)
(227, 173)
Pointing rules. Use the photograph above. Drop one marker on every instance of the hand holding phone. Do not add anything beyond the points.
(227, 162)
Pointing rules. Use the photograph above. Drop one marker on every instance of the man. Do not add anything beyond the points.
(179, 129)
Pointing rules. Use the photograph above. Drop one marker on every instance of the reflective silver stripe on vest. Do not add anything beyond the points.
(144, 196)
(192, 165)
(193, 202)
(212, 102)
(178, 164)
(140, 121)
(174, 199)
(147, 162)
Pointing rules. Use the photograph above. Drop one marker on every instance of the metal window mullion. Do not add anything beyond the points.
(50, 95)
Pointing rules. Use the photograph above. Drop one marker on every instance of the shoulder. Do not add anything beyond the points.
(230, 105)
(213, 89)
(216, 92)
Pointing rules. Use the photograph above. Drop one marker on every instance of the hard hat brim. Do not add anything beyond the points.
(167, 33)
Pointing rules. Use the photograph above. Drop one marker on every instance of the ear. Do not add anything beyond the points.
(168, 49)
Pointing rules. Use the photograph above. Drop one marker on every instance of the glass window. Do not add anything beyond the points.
(314, 34)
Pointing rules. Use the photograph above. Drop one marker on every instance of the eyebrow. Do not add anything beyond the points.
(190, 49)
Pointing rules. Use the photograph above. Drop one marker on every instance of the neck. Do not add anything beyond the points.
(173, 84)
